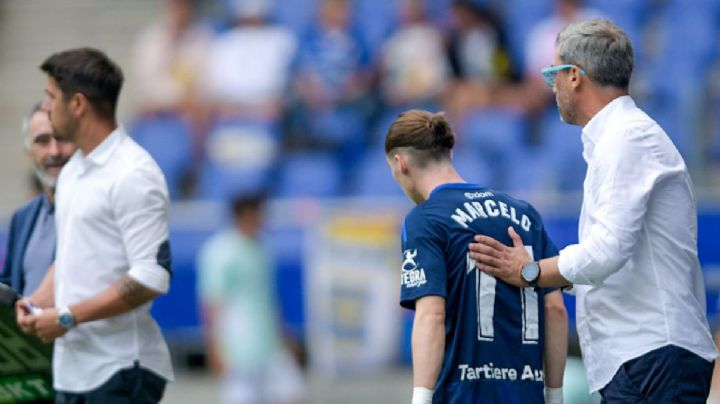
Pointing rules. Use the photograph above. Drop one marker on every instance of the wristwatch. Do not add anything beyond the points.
(66, 319)
(530, 273)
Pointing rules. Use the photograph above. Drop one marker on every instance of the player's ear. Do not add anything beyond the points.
(402, 163)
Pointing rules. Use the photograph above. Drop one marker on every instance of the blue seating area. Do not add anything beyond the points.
(676, 57)
(169, 141)
(498, 137)
(240, 158)
(308, 174)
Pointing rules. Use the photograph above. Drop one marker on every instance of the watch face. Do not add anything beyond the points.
(66, 320)
(531, 272)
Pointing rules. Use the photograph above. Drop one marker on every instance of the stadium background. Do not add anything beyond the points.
(340, 194)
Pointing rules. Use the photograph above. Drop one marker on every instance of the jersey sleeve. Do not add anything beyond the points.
(424, 268)
(548, 247)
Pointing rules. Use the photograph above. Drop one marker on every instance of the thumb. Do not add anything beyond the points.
(517, 241)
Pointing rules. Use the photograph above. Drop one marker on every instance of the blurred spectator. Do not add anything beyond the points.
(249, 65)
(540, 48)
(331, 80)
(168, 60)
(414, 69)
(245, 345)
(475, 47)
(31, 237)
(477, 57)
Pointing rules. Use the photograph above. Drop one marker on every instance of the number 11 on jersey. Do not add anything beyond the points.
(485, 296)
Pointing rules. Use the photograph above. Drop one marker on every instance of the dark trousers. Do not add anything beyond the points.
(128, 386)
(666, 375)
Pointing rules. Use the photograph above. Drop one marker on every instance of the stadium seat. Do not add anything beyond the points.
(440, 11)
(496, 136)
(689, 34)
(473, 168)
(240, 158)
(168, 140)
(630, 15)
(557, 160)
(372, 177)
(296, 14)
(309, 174)
(674, 117)
(520, 18)
(375, 21)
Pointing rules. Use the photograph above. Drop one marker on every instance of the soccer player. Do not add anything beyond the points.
(475, 339)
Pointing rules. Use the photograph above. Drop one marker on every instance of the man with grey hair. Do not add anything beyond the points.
(31, 240)
(641, 315)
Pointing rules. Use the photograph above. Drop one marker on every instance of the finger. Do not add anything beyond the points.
(484, 249)
(22, 306)
(517, 241)
(27, 320)
(490, 242)
(492, 271)
(486, 260)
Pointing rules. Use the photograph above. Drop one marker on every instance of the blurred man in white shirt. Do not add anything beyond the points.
(640, 294)
(112, 257)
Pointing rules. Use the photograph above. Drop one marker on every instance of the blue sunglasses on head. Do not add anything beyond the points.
(550, 73)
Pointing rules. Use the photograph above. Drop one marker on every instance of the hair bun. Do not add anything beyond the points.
(442, 132)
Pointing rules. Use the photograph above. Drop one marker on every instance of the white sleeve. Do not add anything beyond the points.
(622, 185)
(140, 205)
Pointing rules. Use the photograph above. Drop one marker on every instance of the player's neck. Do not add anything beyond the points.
(436, 176)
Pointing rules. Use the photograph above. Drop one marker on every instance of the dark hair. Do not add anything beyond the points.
(428, 135)
(243, 203)
(90, 72)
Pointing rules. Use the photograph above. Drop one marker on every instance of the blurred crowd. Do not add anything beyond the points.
(239, 94)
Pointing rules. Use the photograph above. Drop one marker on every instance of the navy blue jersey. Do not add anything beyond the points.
(494, 331)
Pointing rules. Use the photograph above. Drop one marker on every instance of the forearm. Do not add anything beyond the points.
(428, 345)
(124, 295)
(550, 275)
(214, 356)
(598, 256)
(556, 339)
(44, 295)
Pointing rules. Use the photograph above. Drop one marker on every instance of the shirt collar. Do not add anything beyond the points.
(451, 185)
(47, 205)
(101, 154)
(597, 125)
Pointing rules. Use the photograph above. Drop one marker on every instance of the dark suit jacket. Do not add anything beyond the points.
(21, 227)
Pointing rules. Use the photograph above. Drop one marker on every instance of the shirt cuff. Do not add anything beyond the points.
(152, 276)
(569, 268)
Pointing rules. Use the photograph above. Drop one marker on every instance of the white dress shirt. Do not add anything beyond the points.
(111, 217)
(640, 286)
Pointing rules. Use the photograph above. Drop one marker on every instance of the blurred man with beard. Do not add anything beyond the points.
(31, 240)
